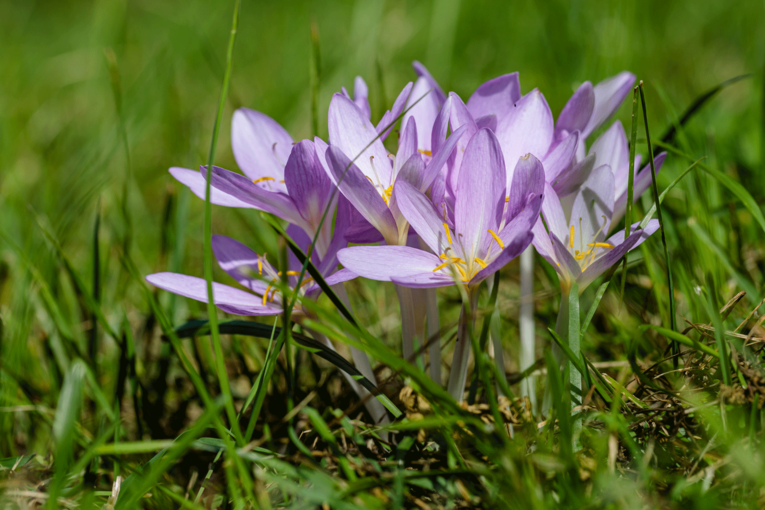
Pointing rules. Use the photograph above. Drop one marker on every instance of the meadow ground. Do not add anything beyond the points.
(99, 99)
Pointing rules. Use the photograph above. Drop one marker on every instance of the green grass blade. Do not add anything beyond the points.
(630, 183)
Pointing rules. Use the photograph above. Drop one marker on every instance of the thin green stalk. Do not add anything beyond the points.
(630, 185)
(655, 189)
(208, 254)
(461, 355)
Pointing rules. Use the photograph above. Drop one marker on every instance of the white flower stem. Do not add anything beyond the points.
(434, 334)
(462, 349)
(412, 325)
(526, 323)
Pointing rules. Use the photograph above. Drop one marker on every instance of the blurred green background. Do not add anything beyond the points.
(62, 148)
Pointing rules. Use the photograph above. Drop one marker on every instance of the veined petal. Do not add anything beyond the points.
(241, 263)
(385, 126)
(543, 245)
(361, 193)
(242, 188)
(361, 96)
(261, 146)
(566, 265)
(427, 98)
(307, 182)
(459, 118)
(592, 209)
(197, 184)
(529, 129)
(560, 156)
(607, 260)
(641, 184)
(422, 216)
(480, 191)
(385, 262)
(515, 247)
(609, 95)
(552, 211)
(577, 112)
(352, 133)
(225, 297)
(572, 180)
(427, 280)
(441, 157)
(617, 238)
(611, 149)
(528, 179)
(440, 126)
(495, 97)
(407, 145)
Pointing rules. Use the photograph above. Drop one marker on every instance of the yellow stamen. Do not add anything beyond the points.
(496, 238)
(602, 245)
(265, 295)
(507, 199)
(462, 272)
(441, 266)
(571, 237)
(448, 234)
(260, 268)
(483, 264)
(264, 179)
(370, 179)
(443, 256)
(427, 153)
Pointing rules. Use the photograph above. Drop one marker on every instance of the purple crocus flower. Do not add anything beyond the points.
(489, 229)
(575, 243)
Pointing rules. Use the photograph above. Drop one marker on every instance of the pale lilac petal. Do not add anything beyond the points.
(607, 260)
(307, 182)
(553, 213)
(225, 297)
(566, 264)
(651, 227)
(480, 191)
(593, 208)
(441, 126)
(361, 193)
(423, 72)
(352, 133)
(407, 145)
(421, 215)
(543, 244)
(361, 96)
(460, 118)
(528, 179)
(362, 232)
(609, 95)
(641, 184)
(343, 218)
(240, 262)
(495, 97)
(529, 130)
(424, 104)
(487, 121)
(391, 116)
(516, 246)
(426, 280)
(441, 157)
(524, 221)
(577, 112)
(412, 171)
(243, 189)
(572, 179)
(560, 156)
(261, 146)
(611, 149)
(197, 184)
(386, 262)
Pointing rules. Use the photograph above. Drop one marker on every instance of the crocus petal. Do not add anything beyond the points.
(566, 264)
(641, 184)
(351, 132)
(422, 216)
(385, 126)
(459, 118)
(240, 262)
(542, 243)
(385, 262)
(343, 218)
(529, 130)
(361, 193)
(577, 112)
(480, 190)
(412, 171)
(517, 245)
(427, 280)
(424, 104)
(361, 96)
(572, 179)
(307, 182)
(245, 190)
(441, 157)
(560, 156)
(487, 121)
(528, 179)
(197, 184)
(552, 211)
(244, 303)
(603, 263)
(440, 126)
(423, 72)
(407, 145)
(261, 146)
(651, 227)
(593, 208)
(609, 95)
(611, 149)
(495, 97)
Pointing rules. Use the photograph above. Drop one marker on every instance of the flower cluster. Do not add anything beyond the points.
(470, 187)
